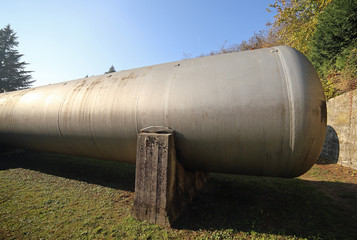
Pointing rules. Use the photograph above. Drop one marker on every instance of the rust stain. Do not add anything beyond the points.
(93, 84)
(80, 85)
(130, 76)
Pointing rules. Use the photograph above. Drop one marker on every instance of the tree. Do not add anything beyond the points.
(334, 46)
(259, 40)
(111, 70)
(295, 21)
(336, 31)
(13, 75)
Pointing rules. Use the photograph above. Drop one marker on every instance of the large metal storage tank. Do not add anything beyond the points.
(258, 112)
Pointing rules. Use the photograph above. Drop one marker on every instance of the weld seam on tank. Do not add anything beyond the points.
(290, 99)
(91, 131)
(136, 107)
(167, 97)
(58, 115)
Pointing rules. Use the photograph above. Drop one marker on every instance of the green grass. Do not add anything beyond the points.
(49, 196)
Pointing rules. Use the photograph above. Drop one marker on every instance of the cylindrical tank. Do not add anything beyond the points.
(259, 112)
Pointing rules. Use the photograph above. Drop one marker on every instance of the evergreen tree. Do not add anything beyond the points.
(13, 75)
(111, 70)
(334, 47)
(336, 31)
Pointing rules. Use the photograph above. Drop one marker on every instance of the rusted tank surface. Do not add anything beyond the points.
(258, 112)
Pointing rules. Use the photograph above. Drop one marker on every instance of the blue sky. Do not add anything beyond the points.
(65, 40)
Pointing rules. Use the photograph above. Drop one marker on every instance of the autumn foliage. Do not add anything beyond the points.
(324, 30)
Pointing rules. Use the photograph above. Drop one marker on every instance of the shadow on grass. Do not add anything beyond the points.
(308, 209)
(286, 207)
(105, 173)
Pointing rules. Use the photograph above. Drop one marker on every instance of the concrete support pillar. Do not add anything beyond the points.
(162, 186)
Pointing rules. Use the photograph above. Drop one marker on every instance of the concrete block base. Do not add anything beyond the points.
(162, 186)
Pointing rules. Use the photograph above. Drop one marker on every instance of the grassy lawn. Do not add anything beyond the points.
(49, 196)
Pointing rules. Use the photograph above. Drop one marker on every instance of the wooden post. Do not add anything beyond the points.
(162, 186)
